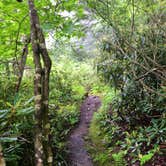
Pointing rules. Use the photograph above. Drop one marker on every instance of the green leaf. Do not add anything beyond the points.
(8, 139)
(25, 111)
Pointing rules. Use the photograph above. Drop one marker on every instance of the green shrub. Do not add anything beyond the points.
(118, 158)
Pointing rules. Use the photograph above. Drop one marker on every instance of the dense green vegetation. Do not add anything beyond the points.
(126, 68)
(133, 61)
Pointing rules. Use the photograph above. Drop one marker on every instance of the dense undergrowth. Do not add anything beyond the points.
(114, 142)
(69, 82)
(132, 130)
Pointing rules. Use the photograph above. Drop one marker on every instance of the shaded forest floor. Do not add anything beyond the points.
(78, 155)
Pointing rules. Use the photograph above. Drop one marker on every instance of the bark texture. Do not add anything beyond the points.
(43, 152)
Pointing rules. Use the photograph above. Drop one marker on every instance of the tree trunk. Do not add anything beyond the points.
(2, 160)
(43, 152)
(22, 63)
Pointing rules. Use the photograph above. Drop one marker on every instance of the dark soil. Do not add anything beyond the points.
(78, 155)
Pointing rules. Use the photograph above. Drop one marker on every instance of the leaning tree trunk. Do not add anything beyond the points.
(43, 152)
(22, 63)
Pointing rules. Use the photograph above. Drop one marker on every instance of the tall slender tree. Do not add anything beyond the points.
(41, 89)
(43, 152)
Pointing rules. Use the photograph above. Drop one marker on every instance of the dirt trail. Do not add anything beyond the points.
(78, 156)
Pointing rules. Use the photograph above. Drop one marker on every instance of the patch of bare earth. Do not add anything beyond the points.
(78, 155)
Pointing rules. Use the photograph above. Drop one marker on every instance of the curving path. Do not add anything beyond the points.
(78, 156)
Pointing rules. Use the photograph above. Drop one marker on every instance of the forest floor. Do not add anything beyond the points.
(78, 155)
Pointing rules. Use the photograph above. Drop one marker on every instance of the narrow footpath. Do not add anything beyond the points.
(78, 155)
